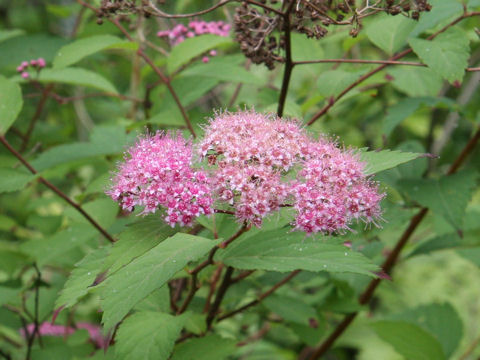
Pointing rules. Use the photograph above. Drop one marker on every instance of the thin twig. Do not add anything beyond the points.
(36, 116)
(159, 13)
(193, 289)
(392, 257)
(222, 245)
(261, 296)
(362, 78)
(213, 286)
(154, 67)
(220, 295)
(56, 190)
(287, 72)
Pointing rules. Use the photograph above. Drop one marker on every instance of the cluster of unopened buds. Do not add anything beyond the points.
(180, 32)
(253, 164)
(37, 64)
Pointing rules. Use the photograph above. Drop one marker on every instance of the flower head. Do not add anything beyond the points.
(158, 173)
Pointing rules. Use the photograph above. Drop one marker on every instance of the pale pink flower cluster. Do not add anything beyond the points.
(37, 64)
(157, 173)
(252, 150)
(256, 164)
(331, 191)
(255, 153)
(180, 32)
(48, 329)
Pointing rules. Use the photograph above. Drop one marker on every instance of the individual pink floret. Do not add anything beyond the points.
(25, 75)
(157, 173)
(205, 59)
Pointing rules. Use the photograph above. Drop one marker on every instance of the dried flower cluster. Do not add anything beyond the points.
(36, 64)
(251, 162)
(261, 32)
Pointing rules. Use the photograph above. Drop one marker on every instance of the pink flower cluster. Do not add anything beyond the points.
(48, 329)
(256, 164)
(331, 191)
(158, 172)
(37, 64)
(255, 153)
(252, 150)
(180, 32)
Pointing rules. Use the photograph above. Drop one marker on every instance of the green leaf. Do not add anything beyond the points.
(223, 70)
(290, 309)
(8, 294)
(407, 106)
(386, 159)
(78, 77)
(51, 249)
(105, 140)
(11, 103)
(193, 47)
(205, 348)
(416, 81)
(390, 33)
(147, 336)
(135, 281)
(440, 320)
(8, 34)
(332, 83)
(409, 340)
(447, 54)
(282, 250)
(79, 49)
(81, 278)
(448, 196)
(137, 239)
(191, 88)
(13, 179)
(471, 254)
(442, 11)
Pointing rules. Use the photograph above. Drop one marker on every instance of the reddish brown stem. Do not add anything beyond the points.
(222, 245)
(222, 290)
(36, 116)
(213, 286)
(56, 190)
(154, 67)
(193, 289)
(261, 296)
(392, 258)
(362, 78)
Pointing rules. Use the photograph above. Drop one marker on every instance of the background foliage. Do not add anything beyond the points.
(72, 121)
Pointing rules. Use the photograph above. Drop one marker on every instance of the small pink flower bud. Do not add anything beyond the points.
(213, 52)
(41, 62)
(33, 62)
(25, 75)
(24, 64)
(205, 59)
(20, 69)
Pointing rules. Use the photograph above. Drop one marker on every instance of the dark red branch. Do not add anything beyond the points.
(56, 190)
(392, 258)
(261, 296)
(400, 55)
